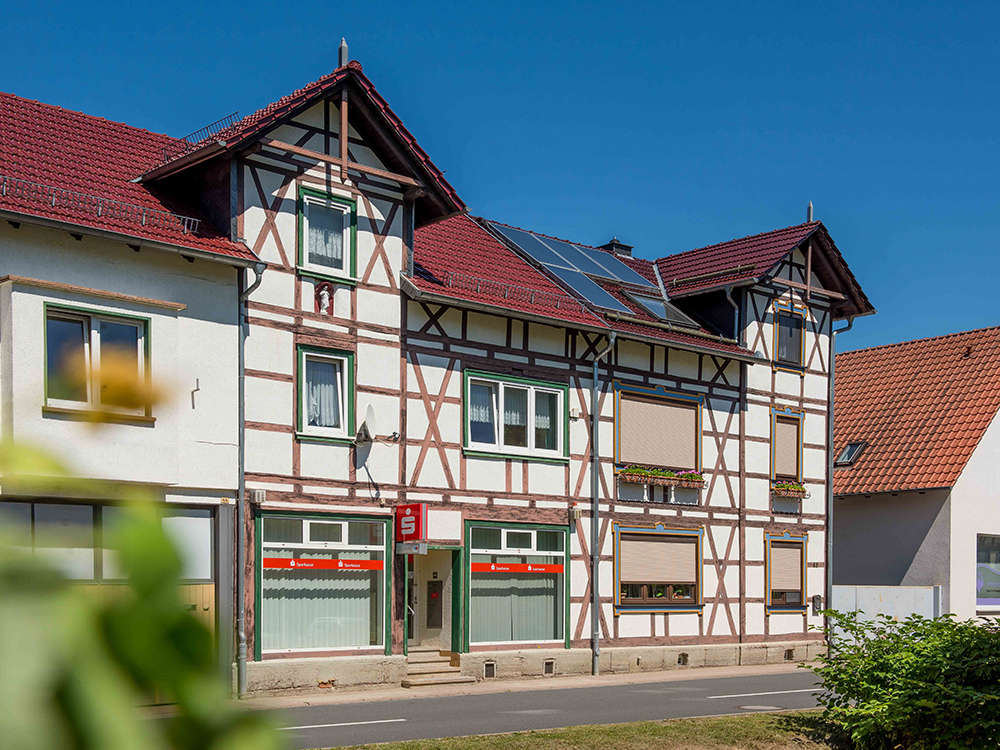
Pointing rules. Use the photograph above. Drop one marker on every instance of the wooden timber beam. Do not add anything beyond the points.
(807, 288)
(344, 134)
(344, 166)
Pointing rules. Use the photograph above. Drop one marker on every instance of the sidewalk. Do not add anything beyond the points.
(329, 697)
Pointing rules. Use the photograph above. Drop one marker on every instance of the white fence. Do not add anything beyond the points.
(898, 602)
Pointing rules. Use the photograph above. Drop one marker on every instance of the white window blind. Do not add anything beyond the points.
(658, 558)
(657, 432)
(786, 447)
(786, 566)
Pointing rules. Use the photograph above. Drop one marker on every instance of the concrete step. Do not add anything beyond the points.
(427, 657)
(432, 668)
(423, 649)
(443, 679)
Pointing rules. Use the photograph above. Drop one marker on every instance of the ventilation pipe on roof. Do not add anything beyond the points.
(809, 217)
(344, 57)
(595, 508)
(829, 474)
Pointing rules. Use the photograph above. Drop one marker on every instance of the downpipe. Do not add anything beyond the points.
(595, 525)
(829, 470)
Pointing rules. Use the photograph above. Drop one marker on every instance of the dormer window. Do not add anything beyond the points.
(850, 453)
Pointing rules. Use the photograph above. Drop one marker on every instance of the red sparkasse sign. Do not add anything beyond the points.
(484, 567)
(294, 563)
(411, 522)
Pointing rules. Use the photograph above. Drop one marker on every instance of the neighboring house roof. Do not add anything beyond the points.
(922, 407)
(68, 167)
(244, 132)
(459, 260)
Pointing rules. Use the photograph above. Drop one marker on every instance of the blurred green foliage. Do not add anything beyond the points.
(75, 670)
(919, 683)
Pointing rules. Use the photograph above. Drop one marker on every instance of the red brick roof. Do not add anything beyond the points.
(457, 258)
(57, 148)
(263, 119)
(922, 407)
(760, 252)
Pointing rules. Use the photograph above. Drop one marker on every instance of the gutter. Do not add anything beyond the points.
(595, 512)
(189, 159)
(829, 470)
(128, 239)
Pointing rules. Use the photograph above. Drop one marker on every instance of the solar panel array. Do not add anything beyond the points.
(572, 264)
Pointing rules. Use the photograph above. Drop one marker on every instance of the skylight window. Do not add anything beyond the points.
(850, 453)
(662, 310)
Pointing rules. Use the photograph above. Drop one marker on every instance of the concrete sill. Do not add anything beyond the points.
(96, 416)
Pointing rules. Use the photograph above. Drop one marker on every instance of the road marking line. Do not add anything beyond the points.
(345, 724)
(774, 692)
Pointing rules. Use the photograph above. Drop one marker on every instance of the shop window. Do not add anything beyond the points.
(658, 432)
(78, 346)
(790, 327)
(326, 393)
(515, 417)
(327, 235)
(785, 574)
(517, 585)
(786, 448)
(657, 569)
(322, 584)
(988, 570)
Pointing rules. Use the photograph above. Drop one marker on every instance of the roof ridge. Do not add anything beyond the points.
(56, 107)
(738, 239)
(920, 341)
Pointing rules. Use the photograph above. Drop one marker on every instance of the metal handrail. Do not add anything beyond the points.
(510, 292)
(195, 139)
(104, 208)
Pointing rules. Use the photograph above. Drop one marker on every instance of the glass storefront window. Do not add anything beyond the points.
(324, 593)
(517, 591)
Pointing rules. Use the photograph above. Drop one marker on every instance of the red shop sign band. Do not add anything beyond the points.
(294, 563)
(484, 567)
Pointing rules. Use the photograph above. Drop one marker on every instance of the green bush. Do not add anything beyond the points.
(916, 683)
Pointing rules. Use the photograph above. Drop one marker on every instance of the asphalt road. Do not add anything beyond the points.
(454, 716)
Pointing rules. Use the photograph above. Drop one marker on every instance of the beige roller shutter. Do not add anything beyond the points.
(786, 447)
(658, 558)
(786, 566)
(655, 432)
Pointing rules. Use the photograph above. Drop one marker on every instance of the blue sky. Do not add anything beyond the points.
(670, 127)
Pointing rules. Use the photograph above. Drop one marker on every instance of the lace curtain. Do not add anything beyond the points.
(322, 393)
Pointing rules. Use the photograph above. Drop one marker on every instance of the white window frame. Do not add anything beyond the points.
(306, 544)
(92, 358)
(308, 201)
(499, 387)
(342, 395)
(506, 549)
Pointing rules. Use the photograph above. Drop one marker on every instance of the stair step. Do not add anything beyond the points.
(445, 679)
(427, 658)
(432, 668)
(423, 649)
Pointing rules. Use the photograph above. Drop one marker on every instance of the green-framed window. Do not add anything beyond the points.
(786, 572)
(518, 586)
(515, 416)
(323, 583)
(328, 231)
(325, 393)
(80, 344)
(789, 336)
(657, 568)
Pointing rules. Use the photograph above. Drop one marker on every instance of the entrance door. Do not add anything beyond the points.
(412, 610)
(429, 592)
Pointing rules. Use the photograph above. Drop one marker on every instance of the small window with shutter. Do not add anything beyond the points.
(785, 573)
(658, 432)
(787, 447)
(658, 569)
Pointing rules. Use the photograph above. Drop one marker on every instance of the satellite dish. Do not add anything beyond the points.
(368, 430)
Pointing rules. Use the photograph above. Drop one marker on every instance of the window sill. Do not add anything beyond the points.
(792, 609)
(96, 415)
(516, 456)
(312, 274)
(789, 367)
(645, 609)
(308, 437)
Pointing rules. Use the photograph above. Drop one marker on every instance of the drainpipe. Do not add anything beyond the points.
(736, 311)
(829, 467)
(595, 526)
(241, 614)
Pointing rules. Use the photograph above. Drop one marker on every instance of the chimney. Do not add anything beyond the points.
(618, 248)
(344, 57)
(809, 212)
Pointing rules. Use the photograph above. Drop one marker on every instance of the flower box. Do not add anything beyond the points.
(638, 477)
(792, 492)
